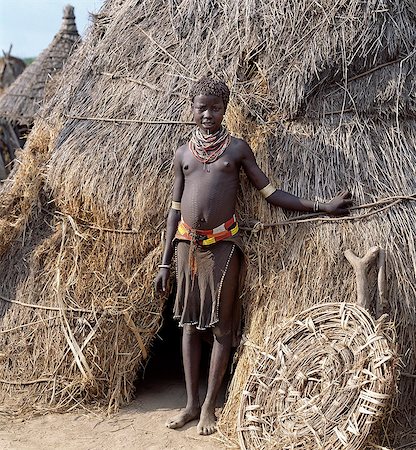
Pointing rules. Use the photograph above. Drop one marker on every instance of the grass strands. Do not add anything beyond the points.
(323, 93)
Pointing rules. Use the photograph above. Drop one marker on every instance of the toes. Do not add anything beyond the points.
(174, 423)
(180, 420)
(207, 430)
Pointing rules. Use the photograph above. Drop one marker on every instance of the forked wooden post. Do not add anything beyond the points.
(361, 267)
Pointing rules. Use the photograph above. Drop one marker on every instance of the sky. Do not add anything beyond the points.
(30, 25)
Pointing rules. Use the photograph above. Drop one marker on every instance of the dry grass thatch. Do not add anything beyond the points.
(87, 236)
(323, 381)
(10, 68)
(23, 98)
(9, 143)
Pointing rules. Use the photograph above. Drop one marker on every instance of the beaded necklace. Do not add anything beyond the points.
(208, 148)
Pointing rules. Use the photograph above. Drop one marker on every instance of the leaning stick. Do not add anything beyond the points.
(381, 305)
(361, 267)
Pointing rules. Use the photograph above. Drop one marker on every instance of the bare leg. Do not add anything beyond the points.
(191, 355)
(221, 348)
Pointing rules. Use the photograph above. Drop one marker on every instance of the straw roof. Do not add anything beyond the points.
(90, 199)
(9, 143)
(10, 69)
(23, 98)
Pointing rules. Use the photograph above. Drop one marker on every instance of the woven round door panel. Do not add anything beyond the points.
(323, 382)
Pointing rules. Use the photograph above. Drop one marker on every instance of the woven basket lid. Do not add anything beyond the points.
(322, 382)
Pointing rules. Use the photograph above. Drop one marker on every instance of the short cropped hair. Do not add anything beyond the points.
(209, 86)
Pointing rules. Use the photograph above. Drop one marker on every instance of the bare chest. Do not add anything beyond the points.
(226, 166)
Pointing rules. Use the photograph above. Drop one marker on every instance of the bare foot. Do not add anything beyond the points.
(185, 416)
(207, 423)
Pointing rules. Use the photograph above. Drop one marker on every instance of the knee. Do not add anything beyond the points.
(189, 329)
(221, 333)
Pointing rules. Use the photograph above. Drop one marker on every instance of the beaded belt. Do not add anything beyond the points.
(208, 237)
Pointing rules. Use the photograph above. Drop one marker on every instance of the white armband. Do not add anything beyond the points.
(267, 191)
(176, 206)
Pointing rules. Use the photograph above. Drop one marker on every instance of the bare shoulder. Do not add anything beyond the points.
(180, 151)
(241, 148)
(240, 144)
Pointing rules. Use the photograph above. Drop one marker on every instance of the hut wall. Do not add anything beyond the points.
(297, 73)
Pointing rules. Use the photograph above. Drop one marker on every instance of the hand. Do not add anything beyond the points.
(339, 205)
(162, 280)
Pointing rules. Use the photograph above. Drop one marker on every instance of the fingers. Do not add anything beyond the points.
(161, 284)
(340, 204)
(346, 202)
(344, 194)
(157, 285)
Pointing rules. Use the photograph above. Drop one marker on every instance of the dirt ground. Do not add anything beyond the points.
(139, 426)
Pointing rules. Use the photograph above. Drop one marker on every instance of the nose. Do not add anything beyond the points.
(207, 114)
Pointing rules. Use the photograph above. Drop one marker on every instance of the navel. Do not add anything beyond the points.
(226, 164)
(185, 167)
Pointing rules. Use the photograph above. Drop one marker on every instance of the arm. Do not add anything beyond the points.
(173, 219)
(337, 206)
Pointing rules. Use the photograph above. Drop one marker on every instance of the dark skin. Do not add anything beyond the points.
(208, 197)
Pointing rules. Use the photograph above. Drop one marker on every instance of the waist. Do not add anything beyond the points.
(208, 237)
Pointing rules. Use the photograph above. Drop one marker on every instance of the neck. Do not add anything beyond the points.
(208, 132)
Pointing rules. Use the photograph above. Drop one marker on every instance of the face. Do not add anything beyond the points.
(208, 111)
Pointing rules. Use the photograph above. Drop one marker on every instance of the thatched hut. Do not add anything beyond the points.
(10, 68)
(9, 143)
(23, 98)
(324, 94)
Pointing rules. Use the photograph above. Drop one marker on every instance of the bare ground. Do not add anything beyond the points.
(137, 426)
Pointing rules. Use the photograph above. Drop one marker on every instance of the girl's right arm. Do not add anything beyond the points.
(173, 219)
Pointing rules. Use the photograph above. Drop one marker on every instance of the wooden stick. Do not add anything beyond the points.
(115, 76)
(121, 120)
(315, 217)
(361, 266)
(163, 49)
(18, 382)
(381, 304)
(49, 308)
